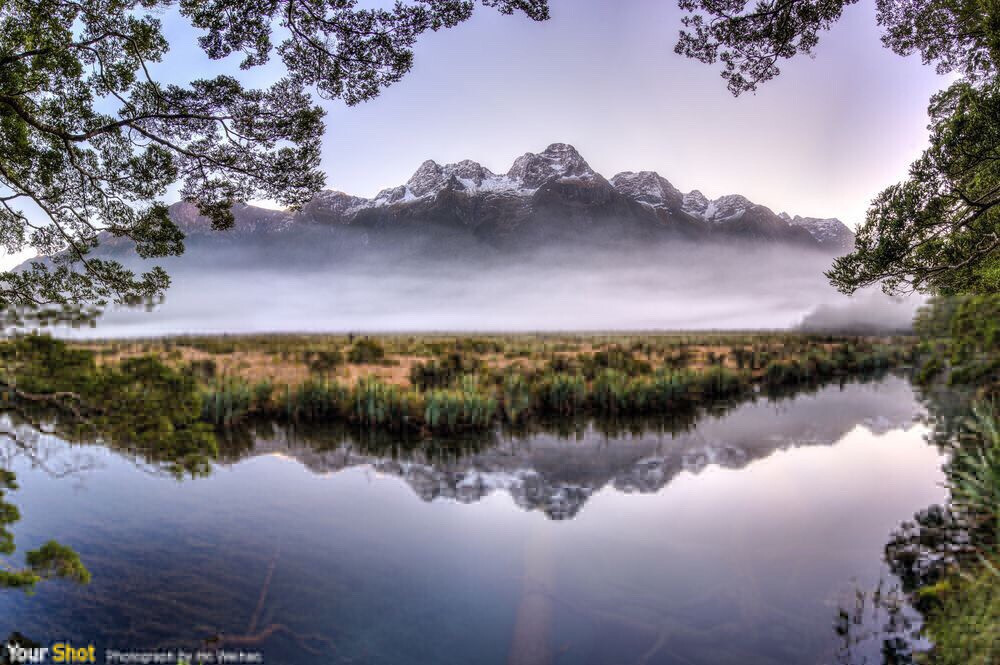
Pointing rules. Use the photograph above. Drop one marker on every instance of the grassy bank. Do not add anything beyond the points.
(442, 385)
(176, 405)
(448, 385)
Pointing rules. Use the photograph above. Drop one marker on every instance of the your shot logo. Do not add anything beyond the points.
(22, 652)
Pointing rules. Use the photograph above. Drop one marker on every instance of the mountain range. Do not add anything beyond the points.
(549, 198)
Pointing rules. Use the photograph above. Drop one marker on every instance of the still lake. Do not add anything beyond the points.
(736, 541)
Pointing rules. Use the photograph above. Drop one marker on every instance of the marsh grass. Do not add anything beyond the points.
(467, 406)
(452, 383)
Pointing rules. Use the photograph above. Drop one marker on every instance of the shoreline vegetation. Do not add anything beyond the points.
(948, 557)
(174, 404)
(178, 404)
(441, 385)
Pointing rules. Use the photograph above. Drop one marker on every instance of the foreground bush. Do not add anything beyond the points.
(964, 624)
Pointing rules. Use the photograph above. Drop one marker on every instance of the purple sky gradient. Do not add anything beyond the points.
(820, 140)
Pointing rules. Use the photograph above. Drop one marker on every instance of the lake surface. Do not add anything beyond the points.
(734, 542)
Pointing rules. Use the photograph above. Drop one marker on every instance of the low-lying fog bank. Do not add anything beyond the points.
(684, 286)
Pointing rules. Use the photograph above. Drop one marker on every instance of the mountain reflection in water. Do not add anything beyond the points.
(558, 474)
(696, 546)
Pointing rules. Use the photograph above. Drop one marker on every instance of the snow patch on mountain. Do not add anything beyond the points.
(722, 209)
(726, 208)
(647, 187)
(695, 203)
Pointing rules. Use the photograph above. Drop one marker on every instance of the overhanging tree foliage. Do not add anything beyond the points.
(939, 230)
(141, 408)
(89, 137)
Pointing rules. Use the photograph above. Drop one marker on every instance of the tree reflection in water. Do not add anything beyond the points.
(541, 465)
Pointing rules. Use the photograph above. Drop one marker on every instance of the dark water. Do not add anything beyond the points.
(735, 542)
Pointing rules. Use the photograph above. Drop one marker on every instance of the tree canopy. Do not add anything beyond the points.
(91, 138)
(938, 230)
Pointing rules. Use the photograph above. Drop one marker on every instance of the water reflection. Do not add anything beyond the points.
(556, 472)
(734, 539)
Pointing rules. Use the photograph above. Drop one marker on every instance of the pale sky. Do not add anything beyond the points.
(821, 140)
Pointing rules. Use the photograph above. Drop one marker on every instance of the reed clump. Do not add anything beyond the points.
(446, 371)
(466, 406)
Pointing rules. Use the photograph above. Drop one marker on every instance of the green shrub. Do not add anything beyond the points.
(43, 364)
(612, 393)
(964, 627)
(203, 370)
(226, 402)
(973, 475)
(465, 407)
(323, 362)
(315, 401)
(721, 382)
(516, 398)
(374, 403)
(613, 358)
(444, 372)
(366, 351)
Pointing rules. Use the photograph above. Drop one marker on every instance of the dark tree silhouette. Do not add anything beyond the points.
(89, 138)
(939, 230)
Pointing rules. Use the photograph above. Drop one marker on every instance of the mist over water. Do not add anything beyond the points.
(681, 286)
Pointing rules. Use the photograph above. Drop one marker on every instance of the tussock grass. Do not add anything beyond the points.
(446, 383)
(460, 390)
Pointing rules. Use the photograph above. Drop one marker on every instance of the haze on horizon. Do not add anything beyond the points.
(558, 288)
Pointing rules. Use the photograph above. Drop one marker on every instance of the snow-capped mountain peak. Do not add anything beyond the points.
(559, 160)
(509, 207)
(426, 178)
(726, 208)
(432, 177)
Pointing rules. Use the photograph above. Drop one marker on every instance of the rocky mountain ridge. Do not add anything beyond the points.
(552, 200)
(554, 194)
